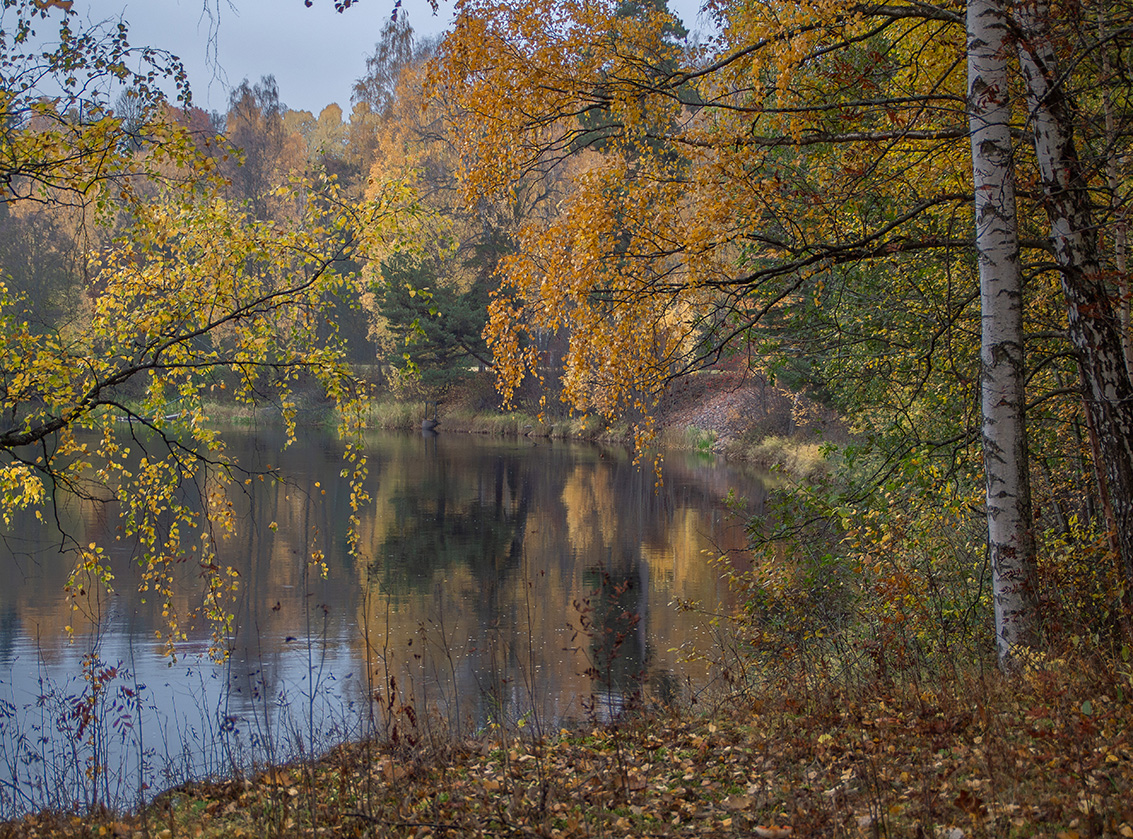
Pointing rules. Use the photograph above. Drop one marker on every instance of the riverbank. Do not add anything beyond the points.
(1046, 754)
(735, 415)
(732, 414)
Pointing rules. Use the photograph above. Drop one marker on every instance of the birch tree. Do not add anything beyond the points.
(731, 189)
(1094, 327)
(1002, 362)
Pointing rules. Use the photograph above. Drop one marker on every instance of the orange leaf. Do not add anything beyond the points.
(773, 831)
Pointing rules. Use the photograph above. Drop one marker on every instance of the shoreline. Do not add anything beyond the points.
(803, 456)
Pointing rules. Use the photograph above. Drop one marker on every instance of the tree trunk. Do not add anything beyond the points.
(1113, 166)
(1010, 540)
(1094, 327)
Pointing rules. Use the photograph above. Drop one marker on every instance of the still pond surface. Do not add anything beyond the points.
(502, 581)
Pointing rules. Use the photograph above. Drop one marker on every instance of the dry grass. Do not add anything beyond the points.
(801, 459)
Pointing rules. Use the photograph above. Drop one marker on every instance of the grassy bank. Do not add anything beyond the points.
(407, 416)
(795, 456)
(1046, 754)
(800, 458)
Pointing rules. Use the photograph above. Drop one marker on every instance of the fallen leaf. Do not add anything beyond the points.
(970, 803)
(773, 831)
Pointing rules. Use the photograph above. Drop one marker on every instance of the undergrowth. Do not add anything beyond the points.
(799, 458)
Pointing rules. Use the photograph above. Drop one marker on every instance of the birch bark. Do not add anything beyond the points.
(1093, 325)
(1010, 540)
(1113, 171)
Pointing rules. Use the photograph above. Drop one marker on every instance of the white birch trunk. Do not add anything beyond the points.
(1094, 328)
(1113, 167)
(1010, 541)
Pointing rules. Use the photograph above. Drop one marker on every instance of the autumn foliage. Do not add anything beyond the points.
(797, 191)
(594, 205)
(189, 294)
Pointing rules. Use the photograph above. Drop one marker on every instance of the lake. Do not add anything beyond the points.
(503, 582)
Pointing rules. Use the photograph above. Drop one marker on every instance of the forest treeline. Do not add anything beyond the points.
(913, 212)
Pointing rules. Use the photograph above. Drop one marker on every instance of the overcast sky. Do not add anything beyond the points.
(315, 54)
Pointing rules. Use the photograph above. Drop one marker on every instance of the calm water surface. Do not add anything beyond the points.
(500, 581)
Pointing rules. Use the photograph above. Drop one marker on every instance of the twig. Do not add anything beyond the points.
(431, 825)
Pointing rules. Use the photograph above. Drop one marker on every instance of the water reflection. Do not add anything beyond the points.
(497, 580)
